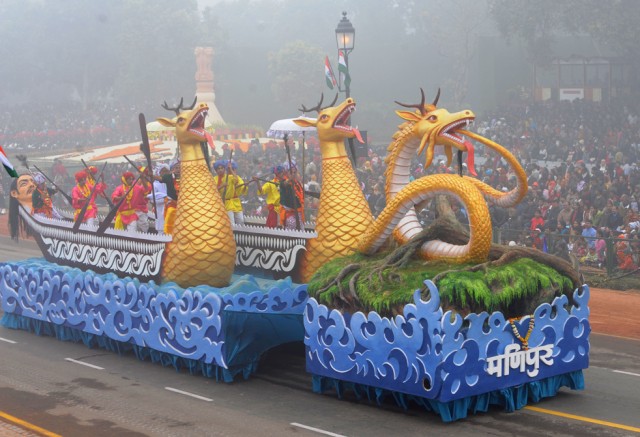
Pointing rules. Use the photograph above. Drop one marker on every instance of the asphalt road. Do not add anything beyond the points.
(68, 389)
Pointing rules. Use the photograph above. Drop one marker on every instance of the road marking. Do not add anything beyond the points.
(28, 425)
(186, 393)
(616, 336)
(583, 419)
(6, 340)
(318, 430)
(93, 366)
(626, 373)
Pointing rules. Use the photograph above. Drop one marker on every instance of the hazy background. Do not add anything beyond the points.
(269, 54)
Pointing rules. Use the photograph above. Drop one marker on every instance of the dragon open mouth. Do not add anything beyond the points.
(342, 122)
(452, 133)
(197, 123)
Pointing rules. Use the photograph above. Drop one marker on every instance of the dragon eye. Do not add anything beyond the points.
(324, 117)
(432, 118)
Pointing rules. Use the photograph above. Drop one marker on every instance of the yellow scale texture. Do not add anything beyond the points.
(203, 248)
(343, 216)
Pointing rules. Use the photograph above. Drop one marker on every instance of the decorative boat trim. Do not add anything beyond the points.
(134, 254)
(137, 254)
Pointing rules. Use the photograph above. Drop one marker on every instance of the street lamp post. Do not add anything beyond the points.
(345, 40)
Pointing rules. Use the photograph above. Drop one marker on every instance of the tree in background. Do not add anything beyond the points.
(297, 78)
(612, 23)
(452, 29)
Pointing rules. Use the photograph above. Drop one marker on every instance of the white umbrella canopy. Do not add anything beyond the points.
(286, 126)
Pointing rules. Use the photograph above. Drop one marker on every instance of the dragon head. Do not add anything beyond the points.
(189, 122)
(332, 122)
(437, 126)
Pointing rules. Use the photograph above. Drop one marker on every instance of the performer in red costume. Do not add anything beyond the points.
(130, 211)
(80, 195)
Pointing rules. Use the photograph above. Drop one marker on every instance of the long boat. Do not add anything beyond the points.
(270, 253)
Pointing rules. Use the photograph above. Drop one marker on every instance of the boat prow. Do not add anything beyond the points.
(134, 254)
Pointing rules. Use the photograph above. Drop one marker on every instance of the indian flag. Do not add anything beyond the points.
(328, 72)
(343, 70)
(7, 164)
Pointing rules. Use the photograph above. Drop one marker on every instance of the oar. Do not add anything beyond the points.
(146, 151)
(286, 146)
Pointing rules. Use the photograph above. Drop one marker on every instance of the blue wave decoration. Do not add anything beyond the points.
(431, 354)
(200, 324)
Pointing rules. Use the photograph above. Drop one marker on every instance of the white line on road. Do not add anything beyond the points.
(626, 373)
(6, 340)
(186, 393)
(84, 364)
(318, 430)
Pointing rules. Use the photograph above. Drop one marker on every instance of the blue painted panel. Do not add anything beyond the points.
(187, 323)
(437, 355)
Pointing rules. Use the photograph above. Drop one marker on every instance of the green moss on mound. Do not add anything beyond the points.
(515, 288)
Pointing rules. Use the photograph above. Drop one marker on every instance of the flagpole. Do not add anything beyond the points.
(345, 39)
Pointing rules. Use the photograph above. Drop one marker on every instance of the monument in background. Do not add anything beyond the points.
(204, 83)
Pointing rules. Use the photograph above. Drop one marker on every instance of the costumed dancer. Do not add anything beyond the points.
(231, 187)
(292, 199)
(272, 190)
(92, 171)
(41, 198)
(80, 195)
(127, 216)
(160, 189)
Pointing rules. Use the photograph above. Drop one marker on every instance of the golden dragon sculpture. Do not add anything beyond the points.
(203, 249)
(343, 212)
(344, 222)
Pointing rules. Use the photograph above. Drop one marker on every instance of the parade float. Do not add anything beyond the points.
(507, 327)
(172, 299)
(441, 317)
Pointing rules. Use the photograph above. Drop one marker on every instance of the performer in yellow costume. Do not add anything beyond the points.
(231, 187)
(272, 190)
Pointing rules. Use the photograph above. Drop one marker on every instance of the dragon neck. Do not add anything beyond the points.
(333, 149)
(190, 151)
(401, 151)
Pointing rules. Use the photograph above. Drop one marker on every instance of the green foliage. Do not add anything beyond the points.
(297, 75)
(374, 294)
(515, 288)
(537, 23)
(510, 288)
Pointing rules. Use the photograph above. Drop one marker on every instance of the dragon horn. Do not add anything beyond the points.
(420, 106)
(435, 101)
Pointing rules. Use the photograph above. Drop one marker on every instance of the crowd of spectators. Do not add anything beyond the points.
(51, 128)
(582, 160)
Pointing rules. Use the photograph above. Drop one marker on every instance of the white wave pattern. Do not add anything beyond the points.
(275, 261)
(142, 265)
